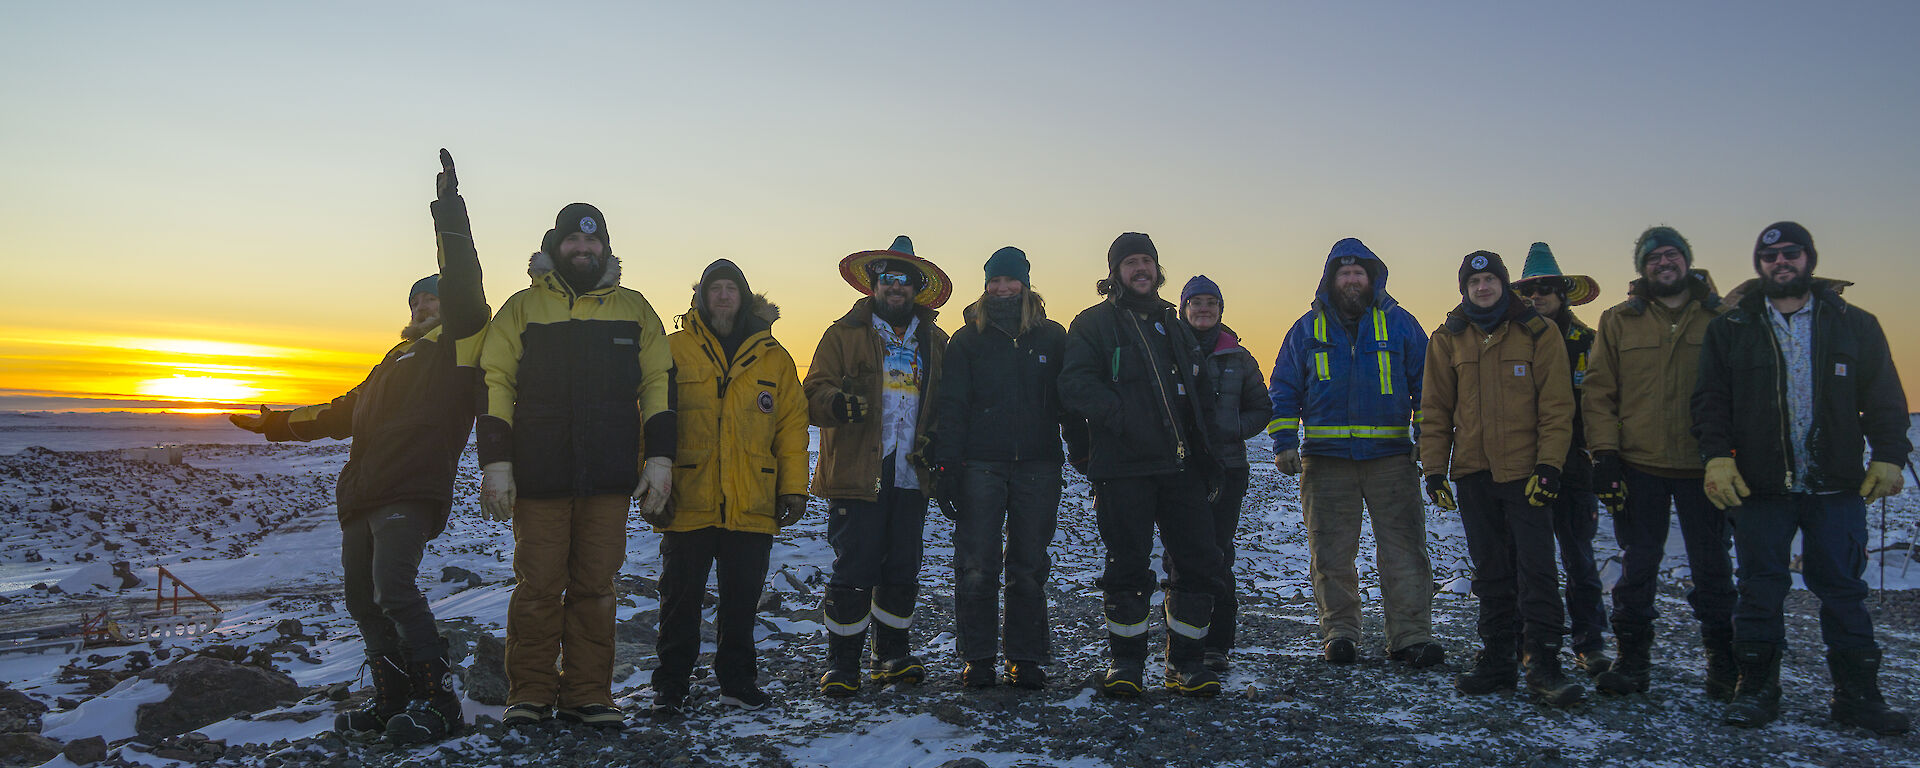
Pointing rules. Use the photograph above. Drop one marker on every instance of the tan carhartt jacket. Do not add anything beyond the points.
(1640, 376)
(1501, 402)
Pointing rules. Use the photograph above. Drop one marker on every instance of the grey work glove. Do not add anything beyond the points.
(1288, 461)
(656, 483)
(789, 509)
(496, 491)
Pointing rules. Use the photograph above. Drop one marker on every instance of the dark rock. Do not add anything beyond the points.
(87, 751)
(769, 603)
(456, 573)
(291, 629)
(19, 713)
(485, 676)
(208, 690)
(27, 749)
(964, 762)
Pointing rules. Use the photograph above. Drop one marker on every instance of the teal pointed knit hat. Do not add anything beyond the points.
(1541, 265)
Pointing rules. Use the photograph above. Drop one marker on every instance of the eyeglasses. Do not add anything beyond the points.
(1542, 288)
(1788, 252)
(893, 278)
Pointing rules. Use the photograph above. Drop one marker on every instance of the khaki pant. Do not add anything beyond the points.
(1334, 491)
(566, 553)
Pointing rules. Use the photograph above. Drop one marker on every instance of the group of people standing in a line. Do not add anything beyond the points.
(1746, 416)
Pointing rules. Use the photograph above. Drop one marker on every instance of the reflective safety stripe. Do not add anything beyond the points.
(1320, 366)
(1126, 630)
(1278, 425)
(897, 622)
(1386, 361)
(1320, 326)
(1320, 432)
(1184, 629)
(1416, 417)
(845, 630)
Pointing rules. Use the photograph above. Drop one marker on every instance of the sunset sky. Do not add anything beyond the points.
(224, 203)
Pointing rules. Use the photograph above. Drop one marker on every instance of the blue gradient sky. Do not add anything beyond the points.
(259, 174)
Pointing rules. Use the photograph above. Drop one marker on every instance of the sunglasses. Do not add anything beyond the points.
(891, 278)
(1542, 288)
(1788, 252)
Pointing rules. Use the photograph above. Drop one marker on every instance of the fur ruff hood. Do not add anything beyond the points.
(757, 307)
(540, 265)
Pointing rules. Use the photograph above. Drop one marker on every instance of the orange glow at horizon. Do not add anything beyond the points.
(203, 375)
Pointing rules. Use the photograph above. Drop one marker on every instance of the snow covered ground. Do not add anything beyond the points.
(251, 526)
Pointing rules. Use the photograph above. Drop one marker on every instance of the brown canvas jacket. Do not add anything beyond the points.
(1501, 402)
(849, 360)
(1640, 379)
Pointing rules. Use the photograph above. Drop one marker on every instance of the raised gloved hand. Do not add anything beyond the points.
(257, 424)
(1288, 461)
(789, 509)
(1723, 484)
(656, 484)
(496, 491)
(1544, 486)
(849, 409)
(1439, 493)
(1883, 480)
(445, 185)
(1609, 482)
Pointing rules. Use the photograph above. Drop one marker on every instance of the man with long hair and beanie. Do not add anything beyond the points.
(1794, 383)
(997, 466)
(1349, 374)
(1576, 514)
(409, 421)
(871, 388)
(742, 477)
(1236, 405)
(579, 379)
(1496, 417)
(1646, 463)
(1133, 372)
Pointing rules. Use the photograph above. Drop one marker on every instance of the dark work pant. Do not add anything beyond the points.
(1641, 528)
(1833, 555)
(1226, 522)
(1024, 499)
(380, 557)
(1575, 520)
(1128, 510)
(877, 543)
(685, 558)
(1511, 545)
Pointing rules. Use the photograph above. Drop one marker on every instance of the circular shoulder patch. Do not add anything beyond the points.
(1772, 236)
(588, 225)
(1479, 262)
(766, 401)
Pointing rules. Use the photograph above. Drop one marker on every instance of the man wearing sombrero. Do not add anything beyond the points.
(1646, 461)
(870, 390)
(1576, 514)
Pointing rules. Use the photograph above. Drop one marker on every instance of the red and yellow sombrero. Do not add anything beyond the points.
(857, 269)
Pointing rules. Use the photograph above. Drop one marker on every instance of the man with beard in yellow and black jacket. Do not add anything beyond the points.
(577, 368)
(741, 475)
(409, 423)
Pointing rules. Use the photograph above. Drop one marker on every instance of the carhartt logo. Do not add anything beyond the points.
(1839, 369)
(1520, 370)
(588, 225)
(1479, 262)
(1772, 236)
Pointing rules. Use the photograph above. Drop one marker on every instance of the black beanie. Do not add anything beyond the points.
(1128, 244)
(1482, 261)
(722, 269)
(576, 217)
(1785, 232)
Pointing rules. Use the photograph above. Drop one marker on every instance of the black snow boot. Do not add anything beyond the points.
(1630, 672)
(1545, 682)
(434, 712)
(389, 696)
(1493, 669)
(1756, 700)
(1723, 675)
(1188, 616)
(1856, 693)
(1126, 614)
(892, 615)
(845, 611)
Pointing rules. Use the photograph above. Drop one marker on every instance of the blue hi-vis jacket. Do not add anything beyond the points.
(1356, 398)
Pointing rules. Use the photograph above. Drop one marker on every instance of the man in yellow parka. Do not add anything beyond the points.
(741, 475)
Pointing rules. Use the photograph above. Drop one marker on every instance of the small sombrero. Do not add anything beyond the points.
(1541, 265)
(858, 270)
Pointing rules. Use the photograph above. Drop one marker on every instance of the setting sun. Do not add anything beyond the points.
(198, 388)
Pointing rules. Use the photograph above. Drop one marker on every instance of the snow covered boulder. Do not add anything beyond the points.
(207, 690)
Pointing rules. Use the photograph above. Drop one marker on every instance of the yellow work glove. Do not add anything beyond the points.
(1883, 480)
(1723, 484)
(656, 483)
(1439, 493)
(1288, 461)
(496, 491)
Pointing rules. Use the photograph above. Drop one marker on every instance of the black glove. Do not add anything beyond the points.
(946, 483)
(849, 409)
(446, 185)
(1079, 464)
(1609, 483)
(1439, 493)
(922, 455)
(1544, 487)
